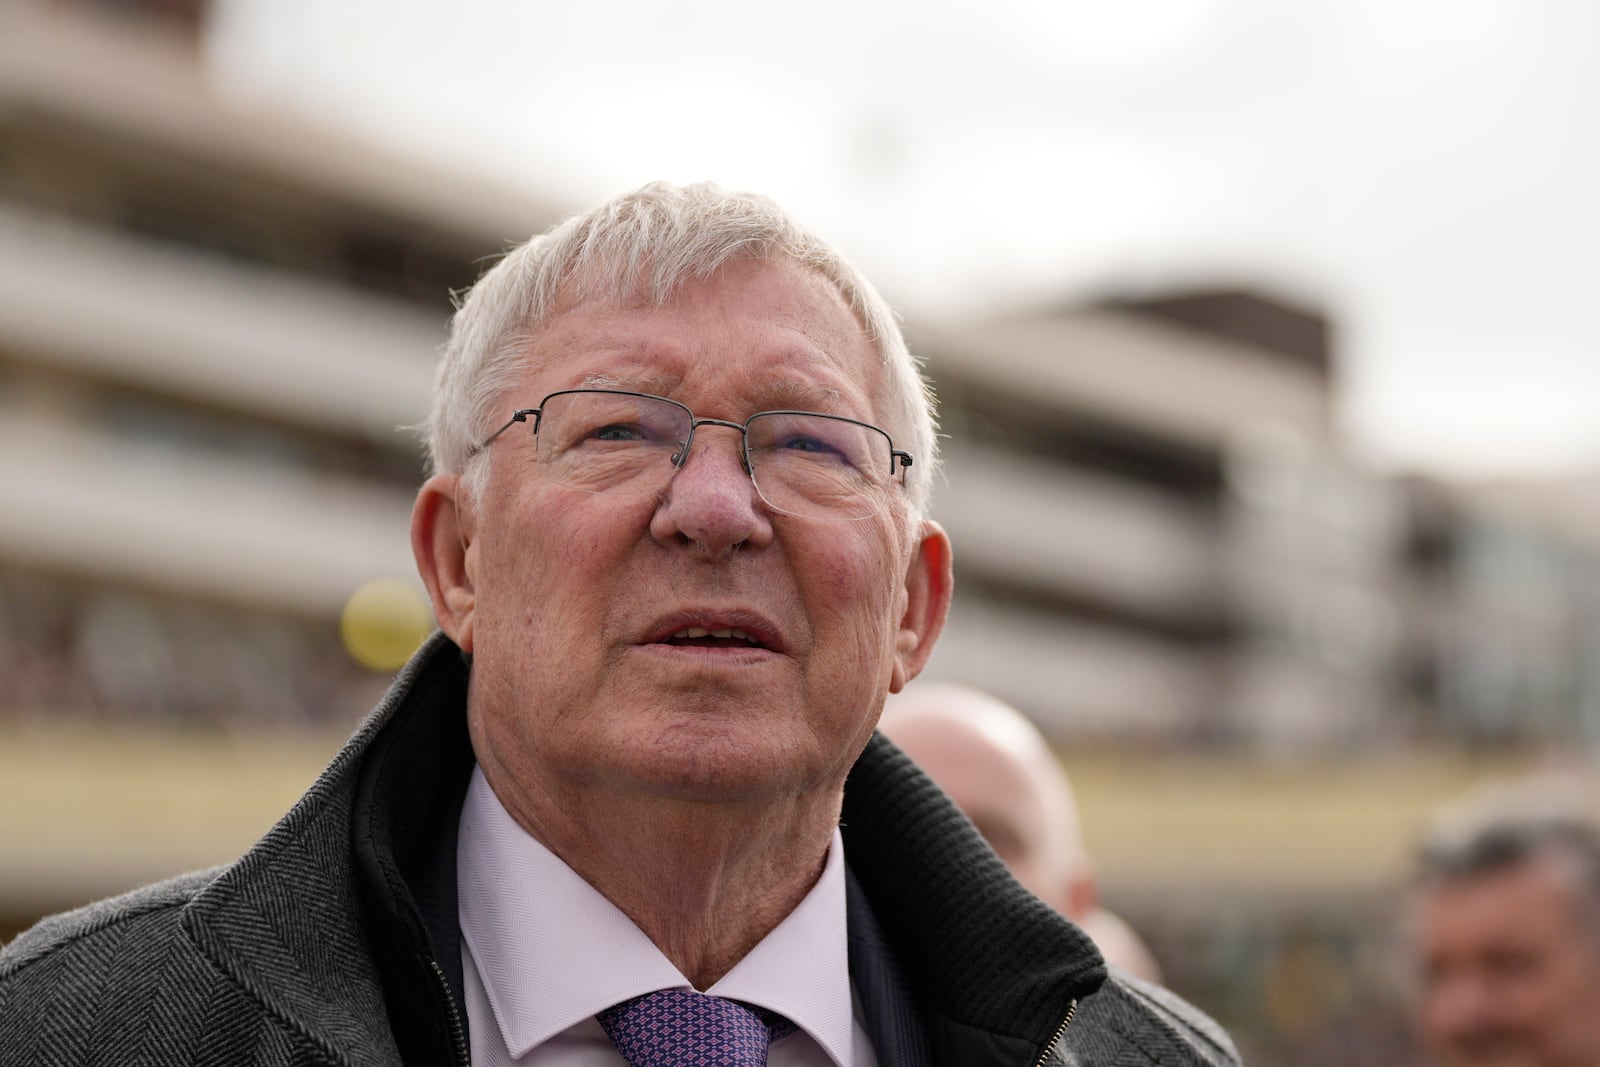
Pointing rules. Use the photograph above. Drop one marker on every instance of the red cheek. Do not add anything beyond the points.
(842, 575)
(576, 544)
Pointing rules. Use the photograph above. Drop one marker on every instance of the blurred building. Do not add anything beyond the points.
(1158, 533)
(215, 326)
(1504, 615)
(1162, 537)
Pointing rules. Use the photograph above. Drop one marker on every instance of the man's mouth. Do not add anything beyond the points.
(737, 630)
(700, 637)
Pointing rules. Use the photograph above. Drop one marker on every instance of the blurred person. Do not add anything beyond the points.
(629, 805)
(998, 768)
(1505, 932)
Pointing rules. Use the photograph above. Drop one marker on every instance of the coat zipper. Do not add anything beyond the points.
(1055, 1039)
(458, 1039)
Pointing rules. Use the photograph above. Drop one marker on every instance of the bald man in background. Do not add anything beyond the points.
(999, 770)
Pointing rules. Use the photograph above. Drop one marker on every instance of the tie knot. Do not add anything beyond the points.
(685, 1028)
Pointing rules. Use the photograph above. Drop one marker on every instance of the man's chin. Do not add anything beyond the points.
(719, 770)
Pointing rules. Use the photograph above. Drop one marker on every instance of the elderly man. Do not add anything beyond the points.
(628, 807)
(997, 767)
(1505, 931)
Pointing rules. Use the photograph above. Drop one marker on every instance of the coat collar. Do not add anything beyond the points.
(993, 967)
(989, 965)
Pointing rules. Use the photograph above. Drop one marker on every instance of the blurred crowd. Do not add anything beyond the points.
(92, 652)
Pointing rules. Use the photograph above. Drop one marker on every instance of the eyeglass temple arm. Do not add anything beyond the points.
(520, 415)
(895, 454)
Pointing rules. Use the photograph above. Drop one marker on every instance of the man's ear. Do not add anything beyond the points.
(929, 581)
(1081, 890)
(443, 533)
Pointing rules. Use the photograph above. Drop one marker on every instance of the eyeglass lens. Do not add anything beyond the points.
(802, 464)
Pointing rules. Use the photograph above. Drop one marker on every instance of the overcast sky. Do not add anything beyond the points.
(1425, 170)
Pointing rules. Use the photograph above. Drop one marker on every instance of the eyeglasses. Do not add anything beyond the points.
(802, 462)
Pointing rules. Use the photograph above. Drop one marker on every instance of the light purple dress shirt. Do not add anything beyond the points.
(543, 951)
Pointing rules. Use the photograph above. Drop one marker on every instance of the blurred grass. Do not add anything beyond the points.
(86, 811)
(1312, 827)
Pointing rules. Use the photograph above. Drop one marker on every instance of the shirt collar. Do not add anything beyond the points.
(552, 951)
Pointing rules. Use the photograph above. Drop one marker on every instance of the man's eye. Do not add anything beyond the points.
(806, 444)
(618, 432)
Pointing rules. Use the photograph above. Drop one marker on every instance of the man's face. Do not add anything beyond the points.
(587, 614)
(1510, 970)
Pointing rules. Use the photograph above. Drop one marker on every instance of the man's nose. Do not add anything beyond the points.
(711, 503)
(1459, 1008)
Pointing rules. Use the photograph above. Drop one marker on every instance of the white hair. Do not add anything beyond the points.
(645, 245)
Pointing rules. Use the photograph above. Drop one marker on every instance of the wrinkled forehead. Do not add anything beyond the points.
(624, 301)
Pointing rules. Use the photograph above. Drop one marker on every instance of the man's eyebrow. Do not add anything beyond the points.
(771, 396)
(659, 386)
(794, 396)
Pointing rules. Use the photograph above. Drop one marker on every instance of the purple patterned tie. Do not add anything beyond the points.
(683, 1028)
